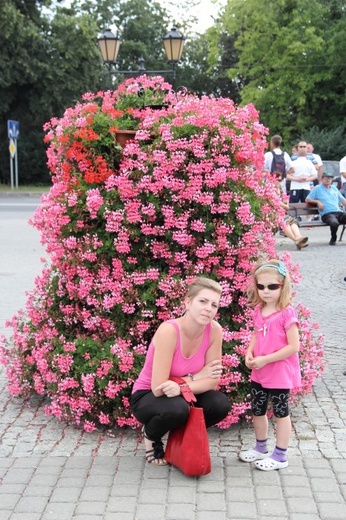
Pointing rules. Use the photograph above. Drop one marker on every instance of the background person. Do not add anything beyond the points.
(188, 347)
(290, 228)
(304, 173)
(272, 356)
(328, 200)
(275, 144)
(319, 163)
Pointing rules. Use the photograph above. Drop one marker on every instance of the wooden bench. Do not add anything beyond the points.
(304, 209)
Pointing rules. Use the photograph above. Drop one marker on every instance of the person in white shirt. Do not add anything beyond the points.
(304, 173)
(319, 163)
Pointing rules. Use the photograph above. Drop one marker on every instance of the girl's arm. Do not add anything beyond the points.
(288, 350)
(250, 350)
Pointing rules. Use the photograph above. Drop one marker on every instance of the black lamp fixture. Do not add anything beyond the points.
(109, 45)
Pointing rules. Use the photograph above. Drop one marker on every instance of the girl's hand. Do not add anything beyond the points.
(258, 362)
(213, 370)
(169, 388)
(248, 359)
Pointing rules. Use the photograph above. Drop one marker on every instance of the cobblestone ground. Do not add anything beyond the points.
(50, 470)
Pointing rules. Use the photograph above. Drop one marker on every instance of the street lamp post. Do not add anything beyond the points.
(109, 45)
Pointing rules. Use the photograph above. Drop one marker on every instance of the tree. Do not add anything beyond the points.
(281, 49)
(57, 62)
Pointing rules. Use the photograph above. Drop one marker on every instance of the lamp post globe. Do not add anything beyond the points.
(173, 43)
(109, 45)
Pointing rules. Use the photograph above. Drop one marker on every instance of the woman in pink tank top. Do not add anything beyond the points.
(189, 347)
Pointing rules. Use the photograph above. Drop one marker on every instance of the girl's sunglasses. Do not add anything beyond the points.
(271, 286)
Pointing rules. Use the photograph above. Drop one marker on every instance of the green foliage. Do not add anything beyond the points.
(285, 56)
(286, 60)
(329, 144)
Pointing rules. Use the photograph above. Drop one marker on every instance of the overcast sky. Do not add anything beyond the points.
(204, 10)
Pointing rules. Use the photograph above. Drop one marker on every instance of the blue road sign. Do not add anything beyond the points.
(13, 129)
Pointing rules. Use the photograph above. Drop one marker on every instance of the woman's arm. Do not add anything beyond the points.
(209, 376)
(288, 350)
(164, 342)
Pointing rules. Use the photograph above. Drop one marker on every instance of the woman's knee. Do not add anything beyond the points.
(216, 402)
(222, 403)
(177, 412)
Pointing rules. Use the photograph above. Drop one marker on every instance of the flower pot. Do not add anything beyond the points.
(122, 136)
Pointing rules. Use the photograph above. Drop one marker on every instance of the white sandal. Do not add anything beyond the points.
(270, 464)
(252, 455)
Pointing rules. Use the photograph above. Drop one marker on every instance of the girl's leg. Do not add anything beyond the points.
(259, 406)
(260, 424)
(278, 459)
(283, 432)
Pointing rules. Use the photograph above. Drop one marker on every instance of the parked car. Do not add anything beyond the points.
(331, 167)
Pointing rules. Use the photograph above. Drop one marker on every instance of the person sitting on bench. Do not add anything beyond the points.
(328, 200)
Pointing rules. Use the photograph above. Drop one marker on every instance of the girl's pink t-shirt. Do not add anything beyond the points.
(181, 365)
(271, 336)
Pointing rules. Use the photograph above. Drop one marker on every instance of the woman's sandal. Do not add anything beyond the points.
(155, 455)
(302, 242)
(252, 455)
(270, 464)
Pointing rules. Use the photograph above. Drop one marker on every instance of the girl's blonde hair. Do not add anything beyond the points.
(201, 283)
(278, 268)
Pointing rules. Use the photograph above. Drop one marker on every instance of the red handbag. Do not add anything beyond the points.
(188, 446)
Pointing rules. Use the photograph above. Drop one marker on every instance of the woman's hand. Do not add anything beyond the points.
(213, 369)
(169, 388)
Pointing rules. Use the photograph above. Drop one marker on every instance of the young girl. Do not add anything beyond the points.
(273, 357)
(187, 347)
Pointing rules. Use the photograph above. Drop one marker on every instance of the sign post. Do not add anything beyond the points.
(13, 135)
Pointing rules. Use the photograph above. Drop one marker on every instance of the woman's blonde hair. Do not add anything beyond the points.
(270, 266)
(201, 283)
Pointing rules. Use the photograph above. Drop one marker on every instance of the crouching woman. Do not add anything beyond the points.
(187, 347)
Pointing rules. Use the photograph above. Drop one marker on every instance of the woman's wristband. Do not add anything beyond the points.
(191, 376)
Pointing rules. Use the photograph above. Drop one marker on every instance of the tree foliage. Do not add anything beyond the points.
(285, 56)
(288, 60)
(50, 58)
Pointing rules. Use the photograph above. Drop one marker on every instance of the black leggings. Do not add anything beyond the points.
(260, 398)
(161, 414)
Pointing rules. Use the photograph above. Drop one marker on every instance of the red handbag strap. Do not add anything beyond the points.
(186, 391)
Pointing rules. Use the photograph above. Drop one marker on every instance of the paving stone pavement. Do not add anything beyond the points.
(50, 470)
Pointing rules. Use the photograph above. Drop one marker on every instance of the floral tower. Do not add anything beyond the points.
(127, 227)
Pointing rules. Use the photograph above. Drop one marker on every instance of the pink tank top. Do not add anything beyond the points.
(181, 365)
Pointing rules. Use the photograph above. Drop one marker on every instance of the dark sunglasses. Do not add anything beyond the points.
(271, 286)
